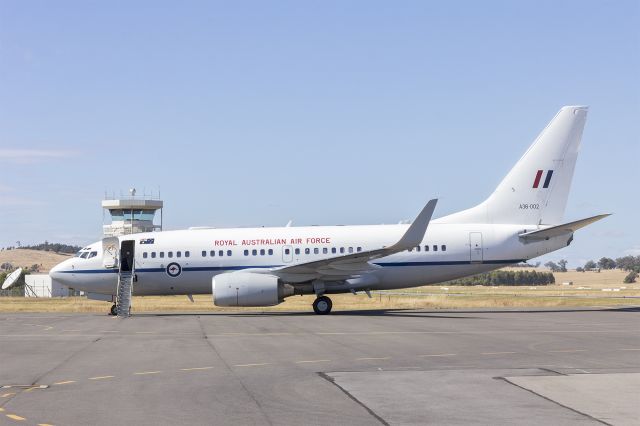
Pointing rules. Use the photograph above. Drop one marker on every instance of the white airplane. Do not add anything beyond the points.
(521, 219)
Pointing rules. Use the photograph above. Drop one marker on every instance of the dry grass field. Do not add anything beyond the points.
(24, 257)
(588, 289)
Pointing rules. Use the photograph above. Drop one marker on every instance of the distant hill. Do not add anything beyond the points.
(26, 258)
(54, 247)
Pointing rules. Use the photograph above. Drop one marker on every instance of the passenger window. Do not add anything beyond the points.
(426, 248)
(212, 253)
(350, 249)
(262, 252)
(254, 252)
(246, 252)
(316, 250)
(161, 254)
(325, 250)
(334, 250)
(418, 248)
(178, 254)
(170, 254)
(307, 251)
(204, 253)
(359, 249)
(297, 251)
(341, 249)
(435, 247)
(144, 255)
(187, 253)
(286, 251)
(410, 250)
(443, 247)
(229, 253)
(153, 254)
(220, 253)
(271, 252)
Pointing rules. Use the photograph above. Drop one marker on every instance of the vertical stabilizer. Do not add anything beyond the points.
(536, 189)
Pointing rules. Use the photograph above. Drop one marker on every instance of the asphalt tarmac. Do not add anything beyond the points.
(349, 368)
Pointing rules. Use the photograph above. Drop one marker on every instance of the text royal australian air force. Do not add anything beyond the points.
(272, 241)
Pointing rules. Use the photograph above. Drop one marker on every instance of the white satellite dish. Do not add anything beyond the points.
(12, 279)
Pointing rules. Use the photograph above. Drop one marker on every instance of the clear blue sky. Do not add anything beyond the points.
(254, 113)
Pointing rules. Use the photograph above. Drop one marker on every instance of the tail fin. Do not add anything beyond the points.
(535, 191)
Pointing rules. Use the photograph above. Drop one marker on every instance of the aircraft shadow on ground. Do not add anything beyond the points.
(412, 313)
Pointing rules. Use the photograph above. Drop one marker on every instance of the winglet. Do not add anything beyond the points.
(414, 235)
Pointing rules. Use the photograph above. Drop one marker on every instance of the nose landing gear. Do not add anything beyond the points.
(322, 305)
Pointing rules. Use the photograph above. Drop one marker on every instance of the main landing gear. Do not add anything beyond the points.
(114, 310)
(322, 305)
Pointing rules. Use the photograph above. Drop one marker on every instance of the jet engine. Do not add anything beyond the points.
(248, 289)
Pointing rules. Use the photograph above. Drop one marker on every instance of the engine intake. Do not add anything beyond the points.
(248, 289)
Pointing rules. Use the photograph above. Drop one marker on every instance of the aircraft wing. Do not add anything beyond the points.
(355, 264)
(555, 231)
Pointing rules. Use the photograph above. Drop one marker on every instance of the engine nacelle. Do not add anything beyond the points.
(248, 289)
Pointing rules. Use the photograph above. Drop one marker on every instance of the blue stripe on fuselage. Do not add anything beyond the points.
(240, 268)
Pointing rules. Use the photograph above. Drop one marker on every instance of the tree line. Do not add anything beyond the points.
(500, 278)
(47, 246)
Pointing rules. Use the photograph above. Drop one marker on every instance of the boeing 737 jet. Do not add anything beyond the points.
(522, 219)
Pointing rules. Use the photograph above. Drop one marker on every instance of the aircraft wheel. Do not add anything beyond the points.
(114, 310)
(322, 305)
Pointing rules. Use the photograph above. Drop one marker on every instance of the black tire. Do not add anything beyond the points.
(322, 305)
(114, 310)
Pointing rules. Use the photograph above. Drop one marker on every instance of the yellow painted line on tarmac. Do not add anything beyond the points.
(373, 358)
(101, 377)
(196, 368)
(569, 350)
(1, 409)
(630, 349)
(252, 365)
(147, 372)
(436, 355)
(16, 417)
(497, 353)
(5, 395)
(312, 360)
(65, 383)
(44, 424)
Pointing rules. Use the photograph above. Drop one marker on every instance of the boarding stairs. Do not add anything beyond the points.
(123, 298)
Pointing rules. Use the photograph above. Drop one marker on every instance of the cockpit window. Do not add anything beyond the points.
(92, 254)
(84, 254)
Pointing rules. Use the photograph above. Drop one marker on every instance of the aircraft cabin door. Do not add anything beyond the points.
(127, 255)
(287, 254)
(475, 247)
(110, 252)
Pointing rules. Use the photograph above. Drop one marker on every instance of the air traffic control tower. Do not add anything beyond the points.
(131, 214)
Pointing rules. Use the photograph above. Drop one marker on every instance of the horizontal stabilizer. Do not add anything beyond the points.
(555, 231)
